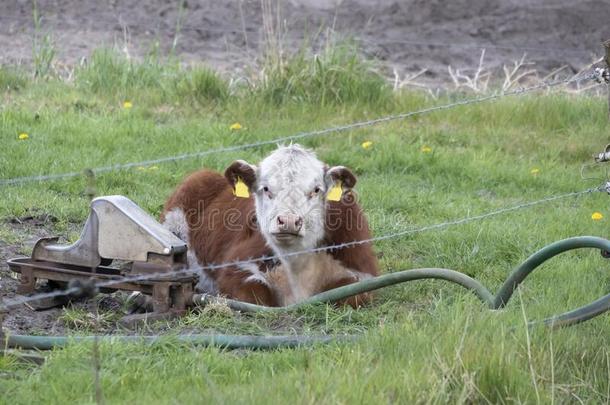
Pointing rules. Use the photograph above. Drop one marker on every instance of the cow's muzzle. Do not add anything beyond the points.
(288, 227)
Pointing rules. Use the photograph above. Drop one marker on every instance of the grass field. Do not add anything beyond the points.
(421, 342)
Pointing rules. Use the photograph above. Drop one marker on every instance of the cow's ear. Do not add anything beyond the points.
(240, 169)
(337, 174)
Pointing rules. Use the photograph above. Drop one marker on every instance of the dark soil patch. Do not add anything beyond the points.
(22, 319)
(408, 35)
(78, 316)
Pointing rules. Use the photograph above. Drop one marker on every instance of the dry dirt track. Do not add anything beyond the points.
(226, 34)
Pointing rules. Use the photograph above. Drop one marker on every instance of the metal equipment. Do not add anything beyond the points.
(118, 240)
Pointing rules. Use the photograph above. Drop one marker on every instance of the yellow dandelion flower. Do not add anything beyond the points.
(127, 104)
(235, 127)
(596, 216)
(426, 149)
(140, 168)
(153, 168)
(23, 136)
(535, 171)
(367, 144)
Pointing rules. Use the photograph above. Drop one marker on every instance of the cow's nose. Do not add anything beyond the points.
(290, 223)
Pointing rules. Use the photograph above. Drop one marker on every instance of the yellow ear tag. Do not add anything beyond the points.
(335, 193)
(241, 190)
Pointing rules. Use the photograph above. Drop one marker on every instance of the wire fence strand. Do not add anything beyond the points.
(300, 135)
(7, 304)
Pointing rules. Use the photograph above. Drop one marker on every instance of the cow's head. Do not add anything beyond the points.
(290, 188)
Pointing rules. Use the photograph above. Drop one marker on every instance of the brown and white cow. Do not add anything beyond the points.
(288, 213)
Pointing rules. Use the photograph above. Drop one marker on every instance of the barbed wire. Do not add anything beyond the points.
(301, 135)
(409, 231)
(7, 304)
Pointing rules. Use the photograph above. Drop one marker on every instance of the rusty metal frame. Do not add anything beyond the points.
(116, 229)
(171, 294)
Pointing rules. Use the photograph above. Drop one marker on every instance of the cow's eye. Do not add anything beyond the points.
(267, 192)
(316, 191)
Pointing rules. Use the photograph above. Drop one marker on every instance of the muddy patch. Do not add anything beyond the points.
(102, 314)
(26, 231)
(24, 319)
(406, 35)
(20, 319)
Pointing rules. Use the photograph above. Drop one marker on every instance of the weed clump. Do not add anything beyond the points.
(339, 75)
(201, 85)
(11, 79)
(109, 72)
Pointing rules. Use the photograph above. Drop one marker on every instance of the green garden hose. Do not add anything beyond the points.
(578, 315)
(223, 341)
(362, 286)
(498, 302)
(541, 256)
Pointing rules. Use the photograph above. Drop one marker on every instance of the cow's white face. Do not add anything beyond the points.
(290, 188)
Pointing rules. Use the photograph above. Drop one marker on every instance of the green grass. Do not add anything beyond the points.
(109, 72)
(11, 79)
(335, 76)
(43, 47)
(422, 342)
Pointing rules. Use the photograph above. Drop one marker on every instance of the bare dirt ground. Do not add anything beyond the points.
(23, 319)
(406, 35)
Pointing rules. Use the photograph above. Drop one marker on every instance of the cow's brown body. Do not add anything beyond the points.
(222, 228)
